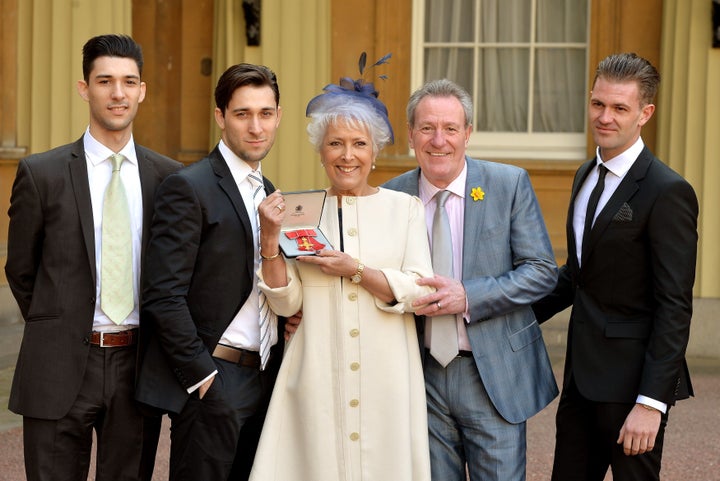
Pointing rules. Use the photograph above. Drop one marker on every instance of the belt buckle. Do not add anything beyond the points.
(102, 339)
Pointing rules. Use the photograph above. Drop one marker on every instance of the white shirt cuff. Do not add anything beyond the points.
(194, 388)
(660, 406)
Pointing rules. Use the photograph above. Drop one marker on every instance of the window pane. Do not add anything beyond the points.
(505, 20)
(559, 90)
(561, 21)
(502, 90)
(449, 20)
(455, 64)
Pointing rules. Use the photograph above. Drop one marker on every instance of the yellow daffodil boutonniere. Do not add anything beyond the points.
(477, 194)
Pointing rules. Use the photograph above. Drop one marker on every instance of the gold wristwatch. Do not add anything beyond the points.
(357, 277)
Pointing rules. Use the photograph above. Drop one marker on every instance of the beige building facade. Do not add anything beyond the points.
(310, 43)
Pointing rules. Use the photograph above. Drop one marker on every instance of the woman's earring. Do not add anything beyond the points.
(373, 166)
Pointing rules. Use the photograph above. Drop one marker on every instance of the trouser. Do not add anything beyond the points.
(59, 450)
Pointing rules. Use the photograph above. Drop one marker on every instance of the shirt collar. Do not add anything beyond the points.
(98, 153)
(238, 167)
(620, 164)
(427, 190)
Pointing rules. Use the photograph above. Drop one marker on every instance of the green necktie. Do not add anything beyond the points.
(116, 278)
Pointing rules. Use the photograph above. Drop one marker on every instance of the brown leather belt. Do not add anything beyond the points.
(241, 357)
(114, 339)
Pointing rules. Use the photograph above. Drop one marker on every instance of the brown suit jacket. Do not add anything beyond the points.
(51, 271)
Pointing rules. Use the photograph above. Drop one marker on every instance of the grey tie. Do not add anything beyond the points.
(443, 329)
(116, 268)
(267, 317)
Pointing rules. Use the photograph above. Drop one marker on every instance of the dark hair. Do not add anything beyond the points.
(241, 75)
(628, 67)
(441, 88)
(110, 46)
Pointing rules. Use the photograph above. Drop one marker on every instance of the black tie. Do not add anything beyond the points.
(593, 201)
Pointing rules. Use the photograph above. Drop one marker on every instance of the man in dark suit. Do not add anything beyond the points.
(77, 362)
(629, 277)
(498, 374)
(206, 364)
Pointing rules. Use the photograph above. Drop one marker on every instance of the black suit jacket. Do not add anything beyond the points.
(632, 297)
(198, 274)
(51, 271)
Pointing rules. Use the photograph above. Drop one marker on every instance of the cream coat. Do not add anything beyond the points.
(349, 402)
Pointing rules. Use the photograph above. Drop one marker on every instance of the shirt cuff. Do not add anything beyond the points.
(195, 387)
(660, 406)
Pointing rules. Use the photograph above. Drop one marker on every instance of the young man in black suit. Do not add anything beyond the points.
(77, 362)
(206, 363)
(632, 245)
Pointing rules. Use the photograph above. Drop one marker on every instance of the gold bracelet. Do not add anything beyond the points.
(269, 258)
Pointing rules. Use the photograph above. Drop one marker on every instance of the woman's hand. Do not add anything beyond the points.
(332, 263)
(340, 264)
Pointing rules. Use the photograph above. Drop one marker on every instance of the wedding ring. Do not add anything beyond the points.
(278, 207)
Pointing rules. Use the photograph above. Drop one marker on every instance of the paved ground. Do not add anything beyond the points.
(692, 451)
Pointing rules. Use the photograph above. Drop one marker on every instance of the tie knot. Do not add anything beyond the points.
(442, 197)
(255, 178)
(602, 171)
(117, 160)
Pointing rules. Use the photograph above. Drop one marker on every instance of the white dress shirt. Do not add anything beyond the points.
(99, 167)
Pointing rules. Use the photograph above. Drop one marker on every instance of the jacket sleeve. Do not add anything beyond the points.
(25, 237)
(168, 271)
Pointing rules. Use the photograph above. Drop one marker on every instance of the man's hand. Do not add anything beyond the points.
(638, 433)
(448, 298)
(204, 387)
(292, 324)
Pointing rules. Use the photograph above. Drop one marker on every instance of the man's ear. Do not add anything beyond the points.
(647, 112)
(82, 88)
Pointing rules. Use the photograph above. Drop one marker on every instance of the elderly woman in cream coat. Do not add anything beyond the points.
(349, 402)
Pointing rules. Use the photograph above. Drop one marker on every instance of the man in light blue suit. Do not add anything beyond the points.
(480, 398)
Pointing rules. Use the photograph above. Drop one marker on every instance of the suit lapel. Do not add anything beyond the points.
(81, 189)
(582, 174)
(149, 180)
(227, 184)
(474, 215)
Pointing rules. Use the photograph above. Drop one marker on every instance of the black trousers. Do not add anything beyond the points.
(59, 450)
(586, 442)
(217, 435)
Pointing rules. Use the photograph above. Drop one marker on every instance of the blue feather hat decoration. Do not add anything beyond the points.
(359, 89)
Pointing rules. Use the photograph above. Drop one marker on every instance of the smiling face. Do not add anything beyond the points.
(439, 137)
(113, 91)
(347, 155)
(250, 122)
(616, 115)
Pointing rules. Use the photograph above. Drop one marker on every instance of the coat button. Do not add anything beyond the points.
(354, 436)
(355, 366)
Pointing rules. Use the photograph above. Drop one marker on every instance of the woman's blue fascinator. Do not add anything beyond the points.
(359, 89)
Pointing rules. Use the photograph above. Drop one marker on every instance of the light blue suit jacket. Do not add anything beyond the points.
(508, 264)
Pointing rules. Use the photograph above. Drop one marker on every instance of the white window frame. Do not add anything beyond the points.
(506, 145)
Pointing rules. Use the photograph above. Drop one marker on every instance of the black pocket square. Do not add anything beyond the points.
(625, 214)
